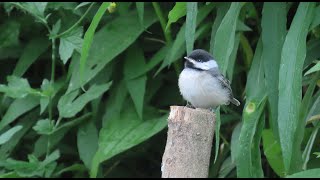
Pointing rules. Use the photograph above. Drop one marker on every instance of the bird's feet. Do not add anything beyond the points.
(189, 105)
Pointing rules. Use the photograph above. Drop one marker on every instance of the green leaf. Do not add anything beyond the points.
(314, 68)
(313, 52)
(217, 133)
(272, 150)
(49, 90)
(178, 47)
(222, 9)
(248, 157)
(134, 64)
(120, 134)
(44, 126)
(57, 135)
(226, 34)
(102, 51)
(34, 167)
(274, 18)
(88, 37)
(26, 122)
(191, 22)
(140, 9)
(75, 167)
(290, 81)
(17, 108)
(316, 18)
(17, 88)
(226, 167)
(87, 141)
(6, 136)
(235, 142)
(179, 10)
(317, 153)
(9, 35)
(116, 101)
(30, 54)
(70, 42)
(311, 173)
(82, 5)
(35, 8)
(68, 106)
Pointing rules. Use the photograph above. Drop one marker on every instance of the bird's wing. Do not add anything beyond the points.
(225, 83)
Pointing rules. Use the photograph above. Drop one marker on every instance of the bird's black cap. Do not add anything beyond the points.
(200, 54)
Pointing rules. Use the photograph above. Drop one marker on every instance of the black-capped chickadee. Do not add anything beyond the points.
(202, 84)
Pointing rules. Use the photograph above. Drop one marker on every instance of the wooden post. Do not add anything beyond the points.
(189, 143)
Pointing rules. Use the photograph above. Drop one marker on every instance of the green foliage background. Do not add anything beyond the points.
(85, 88)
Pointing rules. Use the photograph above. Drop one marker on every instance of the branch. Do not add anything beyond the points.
(189, 143)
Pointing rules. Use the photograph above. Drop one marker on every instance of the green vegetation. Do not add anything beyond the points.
(85, 88)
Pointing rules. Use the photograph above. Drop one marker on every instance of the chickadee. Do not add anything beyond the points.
(202, 84)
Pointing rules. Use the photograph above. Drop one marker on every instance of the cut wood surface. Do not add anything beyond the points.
(189, 143)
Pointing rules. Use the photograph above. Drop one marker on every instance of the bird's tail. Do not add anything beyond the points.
(235, 101)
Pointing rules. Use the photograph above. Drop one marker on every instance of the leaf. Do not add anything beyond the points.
(9, 35)
(17, 88)
(57, 135)
(191, 21)
(315, 68)
(87, 141)
(316, 18)
(235, 142)
(140, 9)
(317, 153)
(70, 42)
(272, 150)
(35, 8)
(313, 52)
(88, 36)
(274, 18)
(226, 167)
(222, 9)
(34, 167)
(248, 157)
(6, 136)
(49, 90)
(310, 173)
(44, 126)
(290, 73)
(102, 51)
(68, 106)
(120, 134)
(75, 167)
(17, 108)
(134, 64)
(30, 54)
(179, 10)
(26, 122)
(226, 34)
(82, 5)
(175, 52)
(217, 133)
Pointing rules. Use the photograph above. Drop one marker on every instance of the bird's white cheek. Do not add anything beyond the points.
(206, 65)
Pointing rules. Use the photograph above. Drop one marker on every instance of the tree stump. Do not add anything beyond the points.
(189, 143)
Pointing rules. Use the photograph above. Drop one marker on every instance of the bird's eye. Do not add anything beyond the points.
(199, 60)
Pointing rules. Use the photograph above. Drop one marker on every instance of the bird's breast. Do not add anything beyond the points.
(201, 89)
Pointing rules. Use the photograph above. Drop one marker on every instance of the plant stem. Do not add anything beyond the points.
(167, 34)
(76, 24)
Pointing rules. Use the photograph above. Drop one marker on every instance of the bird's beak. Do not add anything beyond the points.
(187, 58)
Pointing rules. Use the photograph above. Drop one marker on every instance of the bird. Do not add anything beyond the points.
(202, 84)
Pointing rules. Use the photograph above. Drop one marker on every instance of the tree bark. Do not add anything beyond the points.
(189, 143)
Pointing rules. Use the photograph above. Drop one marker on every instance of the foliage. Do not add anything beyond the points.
(85, 88)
